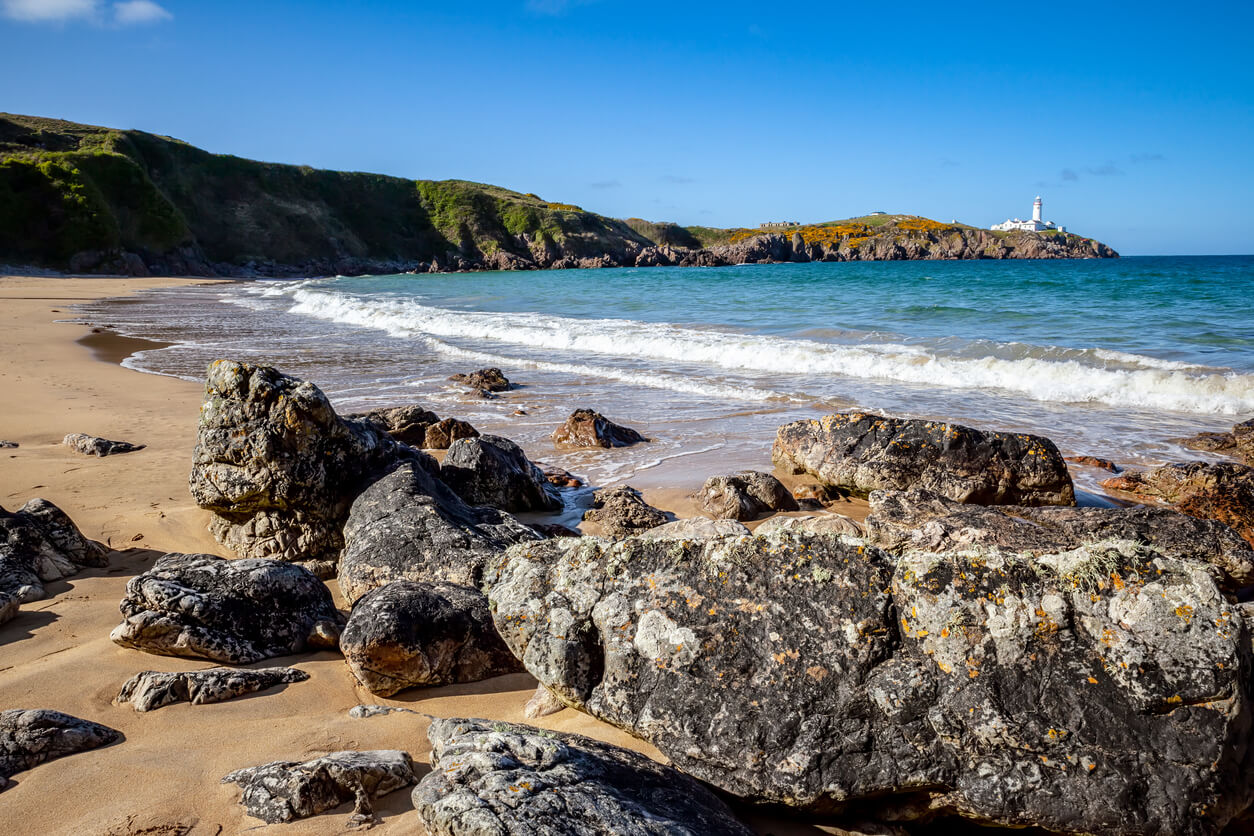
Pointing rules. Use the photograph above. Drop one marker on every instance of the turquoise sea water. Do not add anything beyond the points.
(1107, 357)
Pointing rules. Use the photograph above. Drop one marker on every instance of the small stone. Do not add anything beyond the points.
(362, 712)
(149, 690)
(1094, 461)
(90, 445)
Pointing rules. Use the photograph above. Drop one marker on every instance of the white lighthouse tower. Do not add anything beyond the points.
(1036, 209)
(1037, 224)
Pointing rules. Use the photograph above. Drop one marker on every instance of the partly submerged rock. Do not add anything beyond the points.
(409, 634)
(1222, 492)
(283, 791)
(39, 544)
(746, 495)
(90, 445)
(588, 428)
(491, 470)
(1095, 462)
(485, 380)
(149, 690)
(860, 453)
(31, 737)
(621, 511)
(1239, 443)
(505, 778)
(233, 611)
(418, 427)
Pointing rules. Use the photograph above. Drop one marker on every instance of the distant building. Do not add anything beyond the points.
(778, 224)
(878, 213)
(1034, 225)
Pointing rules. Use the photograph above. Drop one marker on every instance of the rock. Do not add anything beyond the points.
(149, 690)
(904, 521)
(695, 529)
(490, 470)
(39, 544)
(817, 496)
(861, 453)
(1094, 461)
(621, 511)
(812, 524)
(485, 380)
(90, 445)
(233, 611)
(413, 635)
(504, 778)
(559, 478)
(542, 703)
(284, 791)
(31, 737)
(362, 712)
(9, 445)
(547, 530)
(410, 526)
(746, 495)
(407, 424)
(279, 468)
(819, 672)
(442, 434)
(587, 428)
(1223, 492)
(1239, 443)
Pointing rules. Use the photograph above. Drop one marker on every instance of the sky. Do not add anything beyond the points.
(1133, 121)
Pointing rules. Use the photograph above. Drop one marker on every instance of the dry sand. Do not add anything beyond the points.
(163, 778)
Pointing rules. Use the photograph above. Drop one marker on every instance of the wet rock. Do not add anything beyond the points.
(442, 434)
(860, 453)
(504, 778)
(407, 424)
(559, 478)
(90, 445)
(542, 703)
(695, 529)
(279, 468)
(746, 495)
(621, 511)
(31, 737)
(812, 524)
(817, 671)
(490, 470)
(233, 611)
(485, 380)
(149, 690)
(413, 635)
(410, 526)
(1239, 443)
(1094, 461)
(588, 428)
(39, 544)
(1222, 492)
(284, 791)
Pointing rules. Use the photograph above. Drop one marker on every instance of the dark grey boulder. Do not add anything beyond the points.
(861, 453)
(410, 526)
(490, 470)
(588, 428)
(746, 495)
(408, 634)
(39, 544)
(232, 611)
(283, 791)
(90, 445)
(149, 690)
(621, 511)
(500, 779)
(31, 737)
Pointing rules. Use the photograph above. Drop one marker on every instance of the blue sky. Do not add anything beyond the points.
(1134, 121)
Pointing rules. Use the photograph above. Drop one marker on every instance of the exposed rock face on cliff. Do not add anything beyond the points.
(39, 544)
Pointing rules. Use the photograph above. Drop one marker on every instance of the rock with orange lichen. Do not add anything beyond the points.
(1222, 492)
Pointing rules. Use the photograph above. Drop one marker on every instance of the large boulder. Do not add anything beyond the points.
(1239, 443)
(1101, 689)
(746, 495)
(410, 526)
(494, 471)
(621, 511)
(279, 468)
(39, 544)
(232, 611)
(150, 690)
(1223, 492)
(497, 779)
(31, 737)
(588, 428)
(410, 634)
(860, 453)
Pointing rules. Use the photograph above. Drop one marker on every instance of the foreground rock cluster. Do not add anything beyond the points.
(40, 544)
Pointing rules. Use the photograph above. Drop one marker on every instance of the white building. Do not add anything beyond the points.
(1034, 225)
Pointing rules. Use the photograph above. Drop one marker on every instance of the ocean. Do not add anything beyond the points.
(1113, 358)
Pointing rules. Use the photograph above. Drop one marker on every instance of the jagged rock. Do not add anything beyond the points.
(31, 737)
(746, 495)
(861, 453)
(410, 526)
(1238, 443)
(559, 478)
(814, 524)
(407, 424)
(39, 544)
(408, 634)
(695, 529)
(1094, 461)
(542, 703)
(485, 380)
(1103, 689)
(621, 511)
(442, 434)
(149, 690)
(279, 468)
(90, 445)
(588, 428)
(1223, 492)
(284, 791)
(490, 470)
(233, 611)
(506, 778)
(362, 712)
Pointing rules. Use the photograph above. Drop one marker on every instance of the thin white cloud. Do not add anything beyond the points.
(135, 12)
(48, 11)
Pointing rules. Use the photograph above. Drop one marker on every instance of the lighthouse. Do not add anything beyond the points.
(1036, 209)
(1037, 224)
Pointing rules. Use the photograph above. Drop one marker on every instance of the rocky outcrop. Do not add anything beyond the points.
(860, 453)
(279, 468)
(485, 380)
(695, 529)
(1223, 492)
(31, 737)
(150, 690)
(1239, 443)
(414, 635)
(283, 791)
(90, 445)
(39, 544)
(621, 511)
(232, 611)
(504, 778)
(410, 526)
(490, 470)
(746, 495)
(418, 427)
(588, 428)
(1102, 689)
